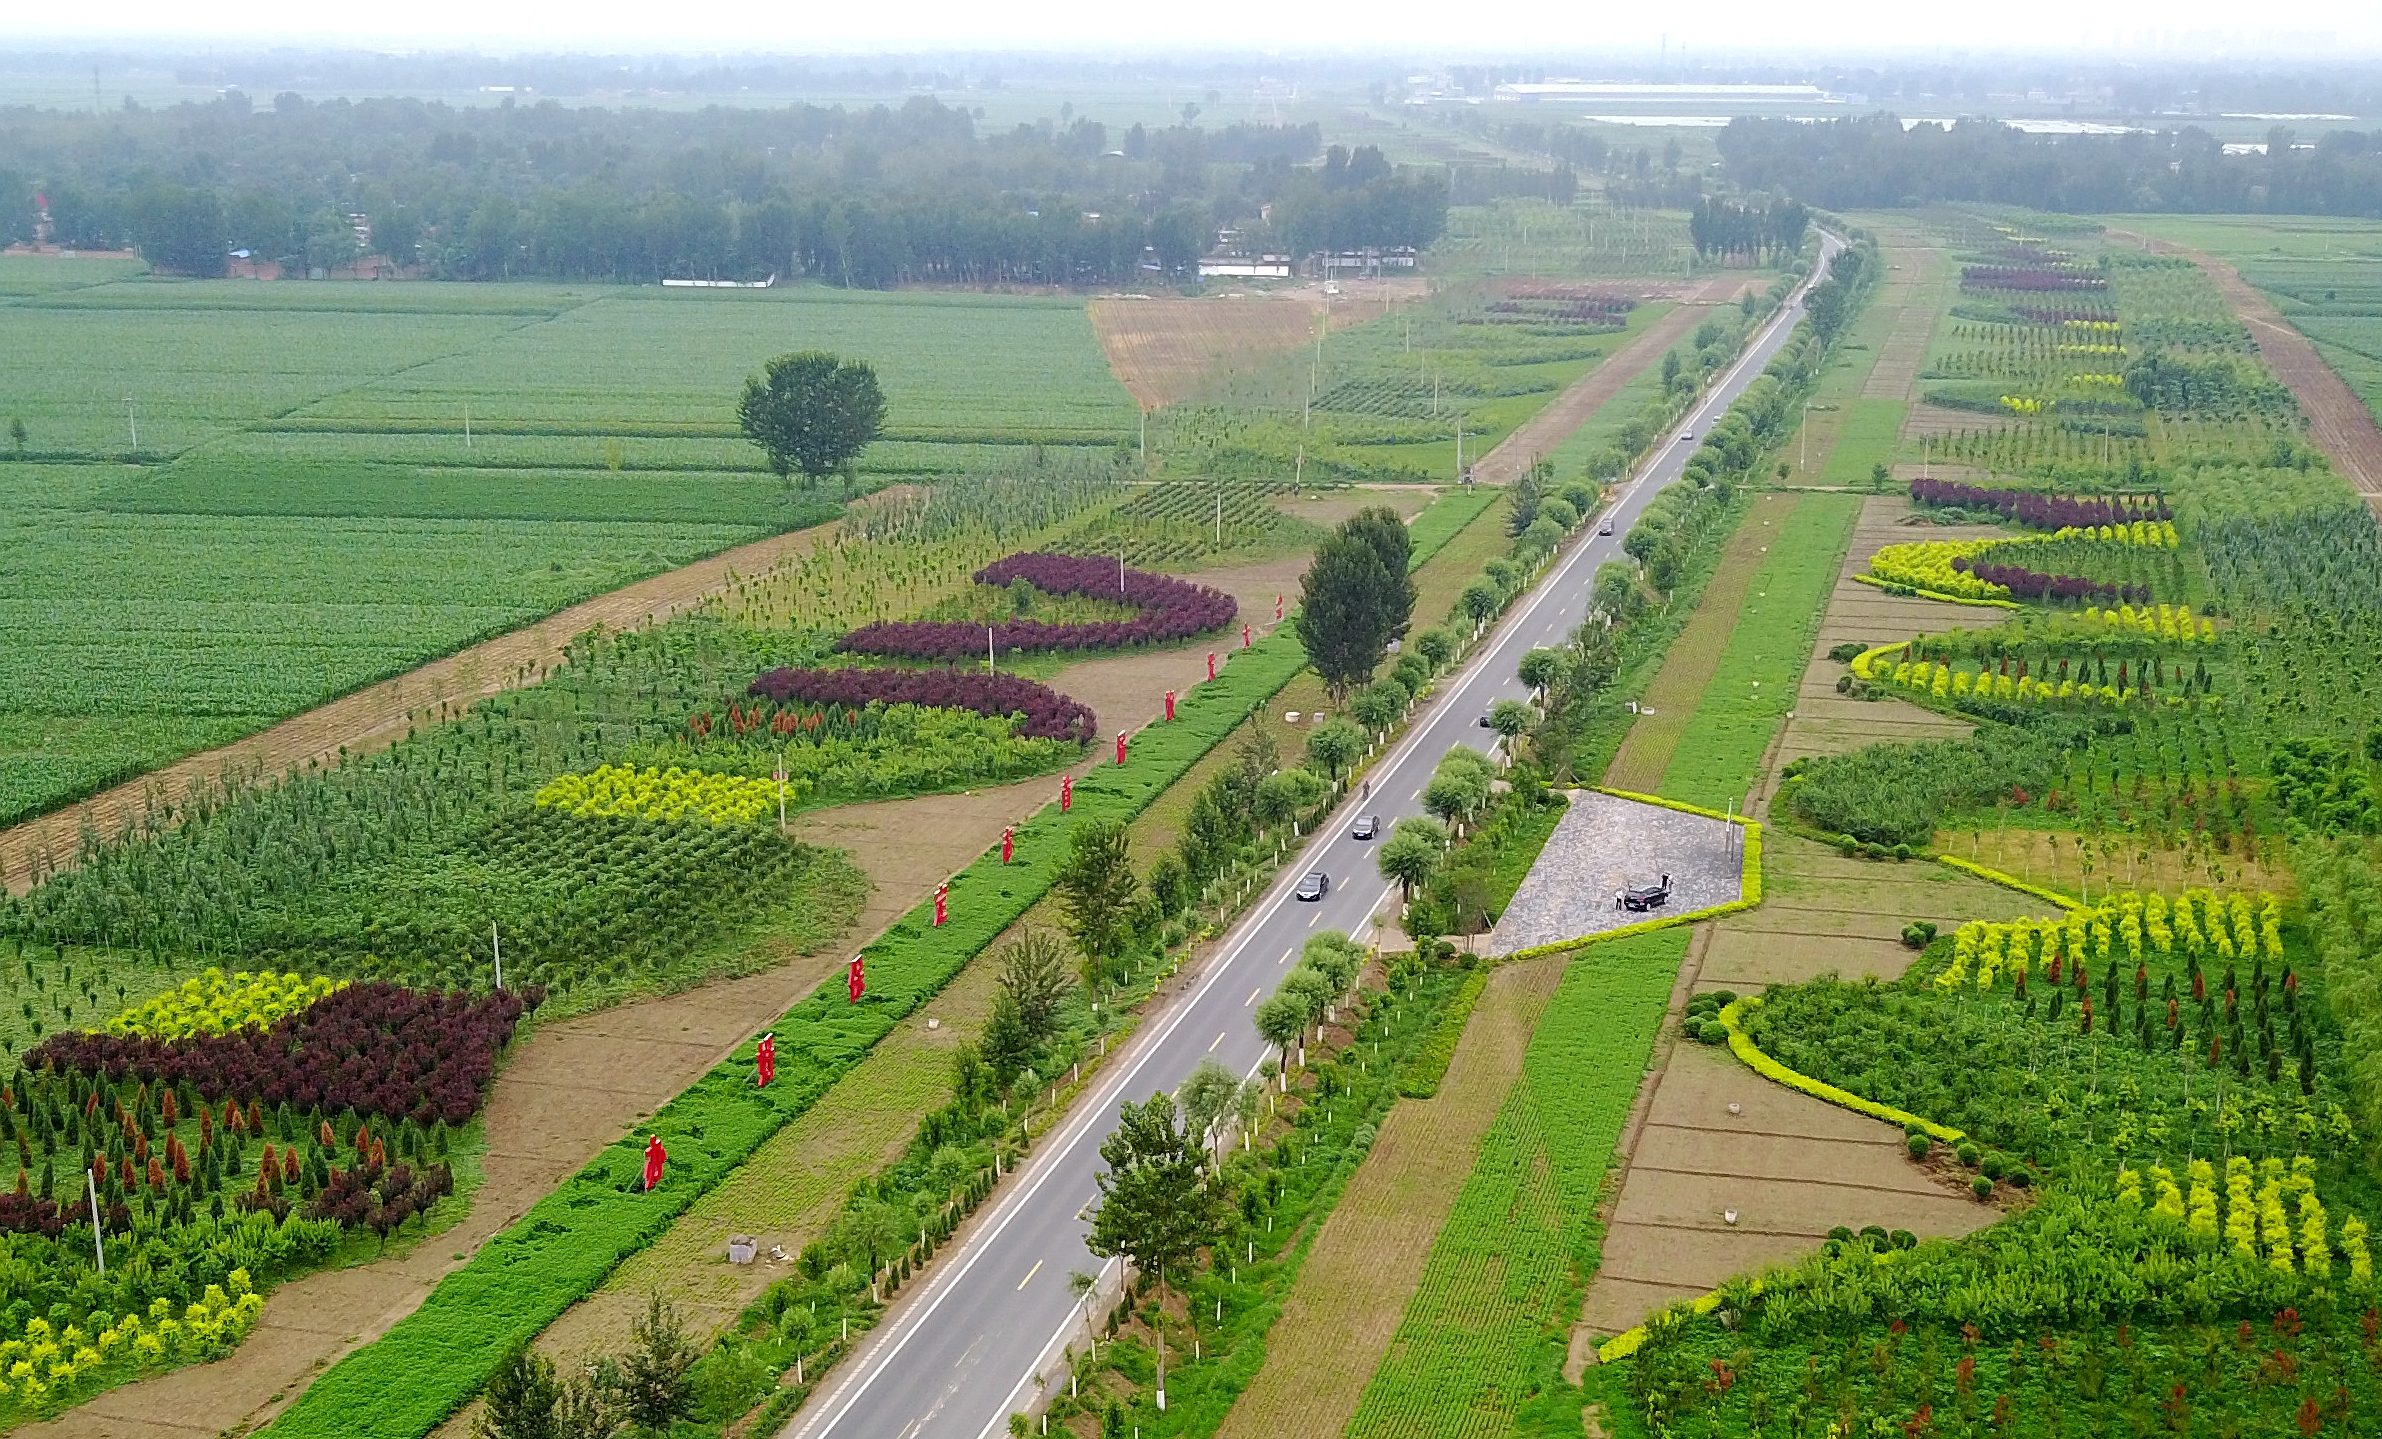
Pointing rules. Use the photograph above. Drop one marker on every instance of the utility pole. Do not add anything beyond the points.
(1145, 444)
(99, 1244)
(132, 418)
(496, 948)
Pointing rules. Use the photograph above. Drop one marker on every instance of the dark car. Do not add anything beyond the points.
(1312, 887)
(1484, 720)
(1368, 827)
(1641, 897)
(1606, 528)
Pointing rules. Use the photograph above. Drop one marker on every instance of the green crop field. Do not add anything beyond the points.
(1482, 1343)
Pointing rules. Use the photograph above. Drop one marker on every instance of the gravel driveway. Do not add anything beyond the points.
(1605, 844)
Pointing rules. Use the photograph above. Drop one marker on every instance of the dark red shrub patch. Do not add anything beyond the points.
(374, 1048)
(1171, 609)
(2042, 512)
(1048, 714)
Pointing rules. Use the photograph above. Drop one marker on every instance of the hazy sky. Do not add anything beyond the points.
(1715, 29)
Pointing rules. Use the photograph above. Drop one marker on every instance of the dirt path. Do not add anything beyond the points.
(1568, 411)
(2338, 420)
(1341, 1313)
(1915, 291)
(377, 716)
(1670, 700)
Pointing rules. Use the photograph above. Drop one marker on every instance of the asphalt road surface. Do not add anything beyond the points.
(960, 1354)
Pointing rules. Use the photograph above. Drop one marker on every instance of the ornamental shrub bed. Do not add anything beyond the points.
(798, 694)
(372, 1048)
(2041, 511)
(436, 1358)
(1170, 610)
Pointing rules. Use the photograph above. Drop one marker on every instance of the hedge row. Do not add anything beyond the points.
(1422, 1076)
(436, 1358)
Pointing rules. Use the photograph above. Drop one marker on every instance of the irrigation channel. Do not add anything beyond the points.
(962, 1354)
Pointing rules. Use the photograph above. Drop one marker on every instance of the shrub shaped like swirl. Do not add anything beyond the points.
(375, 1048)
(1170, 610)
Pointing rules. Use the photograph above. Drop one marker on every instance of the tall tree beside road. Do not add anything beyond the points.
(1096, 888)
(1381, 528)
(812, 412)
(1410, 856)
(1351, 606)
(1156, 1208)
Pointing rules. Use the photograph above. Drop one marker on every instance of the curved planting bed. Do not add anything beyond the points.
(2025, 584)
(217, 1162)
(1047, 713)
(1170, 609)
(2042, 512)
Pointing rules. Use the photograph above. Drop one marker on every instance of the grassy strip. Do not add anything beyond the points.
(1301, 1166)
(437, 1357)
(1480, 1349)
(1421, 1079)
(1865, 438)
(1444, 519)
(1761, 667)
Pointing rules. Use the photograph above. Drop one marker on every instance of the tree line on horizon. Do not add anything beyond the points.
(1875, 162)
(863, 198)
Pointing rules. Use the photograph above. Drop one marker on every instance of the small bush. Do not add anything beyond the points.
(1981, 1187)
(2018, 1176)
(1904, 1239)
(1712, 1031)
(1992, 1166)
(1918, 934)
(1919, 1145)
(1846, 653)
(1969, 1154)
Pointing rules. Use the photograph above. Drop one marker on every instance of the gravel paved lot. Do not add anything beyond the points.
(1604, 844)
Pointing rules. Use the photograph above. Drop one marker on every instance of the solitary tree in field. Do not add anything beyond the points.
(812, 412)
(1350, 606)
(16, 434)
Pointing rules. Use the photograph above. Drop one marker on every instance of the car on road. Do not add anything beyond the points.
(1642, 897)
(1369, 827)
(1313, 887)
(1484, 720)
(1686, 435)
(1607, 527)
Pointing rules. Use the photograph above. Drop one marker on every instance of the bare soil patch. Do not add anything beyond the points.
(1331, 509)
(1367, 1262)
(1914, 287)
(1164, 350)
(377, 716)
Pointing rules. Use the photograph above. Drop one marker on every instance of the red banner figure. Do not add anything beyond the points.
(1008, 843)
(655, 1158)
(1211, 664)
(1066, 793)
(1277, 609)
(855, 982)
(1244, 637)
(1170, 706)
(1120, 746)
(765, 1061)
(942, 903)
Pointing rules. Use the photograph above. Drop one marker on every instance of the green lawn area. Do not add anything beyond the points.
(1481, 1346)
(1761, 667)
(1866, 433)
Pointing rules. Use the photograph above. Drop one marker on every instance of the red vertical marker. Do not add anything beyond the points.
(1277, 609)
(942, 903)
(1008, 843)
(765, 1061)
(855, 982)
(655, 1158)
(1170, 706)
(1066, 793)
(1244, 637)
(1120, 746)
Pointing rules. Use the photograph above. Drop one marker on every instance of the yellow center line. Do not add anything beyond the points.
(1037, 1269)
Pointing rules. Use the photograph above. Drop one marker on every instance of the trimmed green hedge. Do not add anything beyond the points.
(1421, 1079)
(435, 1359)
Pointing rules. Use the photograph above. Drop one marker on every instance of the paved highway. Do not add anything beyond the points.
(960, 1354)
